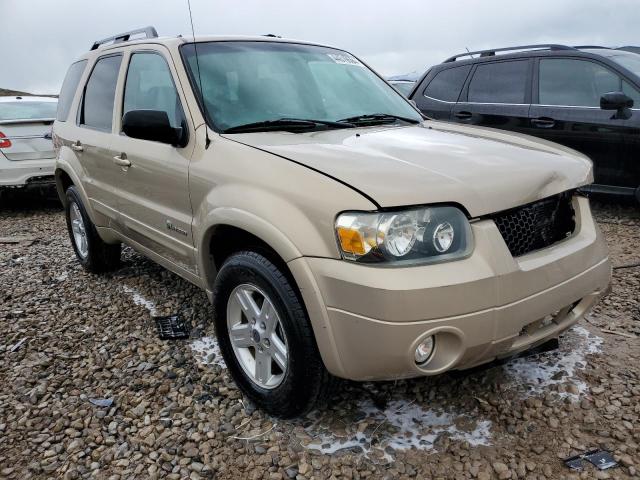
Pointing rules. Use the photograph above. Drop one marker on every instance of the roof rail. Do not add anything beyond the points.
(150, 32)
(592, 46)
(492, 52)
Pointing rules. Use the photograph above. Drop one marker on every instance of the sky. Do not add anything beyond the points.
(39, 39)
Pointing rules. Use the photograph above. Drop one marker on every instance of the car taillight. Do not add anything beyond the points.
(4, 141)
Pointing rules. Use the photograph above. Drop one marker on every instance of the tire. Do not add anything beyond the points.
(288, 392)
(94, 255)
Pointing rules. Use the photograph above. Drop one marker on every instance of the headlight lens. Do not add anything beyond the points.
(416, 236)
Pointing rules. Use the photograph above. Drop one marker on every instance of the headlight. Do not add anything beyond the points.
(415, 236)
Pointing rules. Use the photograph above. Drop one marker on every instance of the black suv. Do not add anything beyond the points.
(582, 97)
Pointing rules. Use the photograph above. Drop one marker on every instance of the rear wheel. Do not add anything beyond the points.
(266, 337)
(94, 254)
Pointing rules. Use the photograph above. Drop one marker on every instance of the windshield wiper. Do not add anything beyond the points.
(286, 124)
(378, 118)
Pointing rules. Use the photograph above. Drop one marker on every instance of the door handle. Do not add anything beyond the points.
(77, 146)
(121, 161)
(543, 122)
(463, 115)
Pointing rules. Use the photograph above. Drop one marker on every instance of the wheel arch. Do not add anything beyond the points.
(228, 230)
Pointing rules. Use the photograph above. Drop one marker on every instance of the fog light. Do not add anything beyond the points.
(424, 350)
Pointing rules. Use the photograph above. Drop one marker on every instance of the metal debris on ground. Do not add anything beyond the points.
(601, 459)
(101, 402)
(18, 239)
(17, 345)
(172, 327)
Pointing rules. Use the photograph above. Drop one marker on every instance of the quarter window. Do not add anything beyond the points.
(99, 94)
(503, 82)
(150, 86)
(446, 85)
(68, 90)
(571, 82)
(632, 92)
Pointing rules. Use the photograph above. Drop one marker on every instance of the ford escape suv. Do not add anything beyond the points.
(336, 232)
(586, 98)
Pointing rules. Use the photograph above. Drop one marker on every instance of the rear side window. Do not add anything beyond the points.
(99, 94)
(150, 86)
(69, 87)
(503, 82)
(579, 83)
(446, 85)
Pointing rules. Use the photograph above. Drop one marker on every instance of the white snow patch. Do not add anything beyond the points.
(539, 372)
(402, 425)
(138, 299)
(207, 351)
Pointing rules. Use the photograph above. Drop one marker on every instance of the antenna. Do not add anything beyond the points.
(195, 48)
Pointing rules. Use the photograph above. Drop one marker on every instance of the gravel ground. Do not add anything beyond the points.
(87, 389)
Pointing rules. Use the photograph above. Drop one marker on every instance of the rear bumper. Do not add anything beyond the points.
(369, 320)
(20, 173)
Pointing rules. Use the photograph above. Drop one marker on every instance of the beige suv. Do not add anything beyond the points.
(336, 231)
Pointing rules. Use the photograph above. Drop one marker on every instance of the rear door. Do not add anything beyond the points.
(439, 91)
(93, 139)
(153, 191)
(498, 95)
(567, 110)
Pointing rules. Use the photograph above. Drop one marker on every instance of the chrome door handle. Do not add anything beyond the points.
(543, 122)
(121, 160)
(463, 115)
(77, 146)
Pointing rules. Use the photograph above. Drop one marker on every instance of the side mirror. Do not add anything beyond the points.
(619, 102)
(152, 125)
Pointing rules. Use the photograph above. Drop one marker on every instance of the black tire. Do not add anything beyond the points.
(101, 257)
(306, 381)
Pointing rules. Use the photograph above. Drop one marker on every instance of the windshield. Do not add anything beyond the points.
(248, 82)
(27, 110)
(630, 61)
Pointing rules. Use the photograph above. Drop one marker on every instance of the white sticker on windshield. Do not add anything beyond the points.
(344, 59)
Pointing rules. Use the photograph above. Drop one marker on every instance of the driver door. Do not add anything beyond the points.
(154, 206)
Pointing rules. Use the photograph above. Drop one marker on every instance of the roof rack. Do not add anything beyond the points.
(579, 47)
(492, 52)
(149, 32)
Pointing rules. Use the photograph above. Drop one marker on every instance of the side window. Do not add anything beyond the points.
(503, 82)
(446, 85)
(572, 82)
(99, 94)
(149, 86)
(68, 90)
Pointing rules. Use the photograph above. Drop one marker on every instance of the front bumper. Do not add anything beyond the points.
(368, 320)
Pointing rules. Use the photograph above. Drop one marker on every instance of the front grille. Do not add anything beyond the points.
(537, 225)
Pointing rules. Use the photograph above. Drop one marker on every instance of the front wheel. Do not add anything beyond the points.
(93, 253)
(266, 337)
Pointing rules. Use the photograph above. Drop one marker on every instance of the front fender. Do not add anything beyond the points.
(246, 221)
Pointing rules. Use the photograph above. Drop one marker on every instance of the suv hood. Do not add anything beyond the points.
(482, 169)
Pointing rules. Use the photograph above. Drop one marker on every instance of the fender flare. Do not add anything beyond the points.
(244, 220)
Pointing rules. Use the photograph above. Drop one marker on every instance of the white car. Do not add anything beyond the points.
(26, 150)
